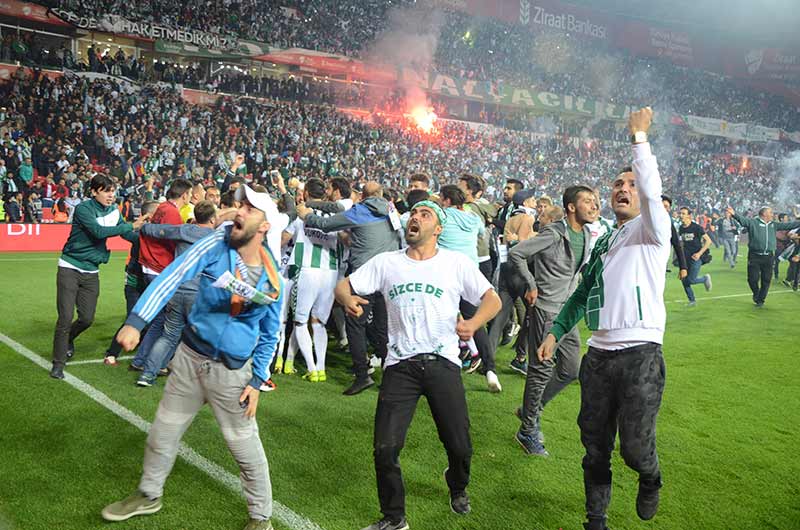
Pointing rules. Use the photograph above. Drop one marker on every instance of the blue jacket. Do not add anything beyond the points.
(212, 331)
(185, 236)
(371, 231)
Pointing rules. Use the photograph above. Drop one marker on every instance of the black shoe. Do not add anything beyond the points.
(135, 368)
(459, 502)
(70, 350)
(164, 372)
(359, 385)
(595, 525)
(647, 501)
(531, 444)
(787, 283)
(519, 365)
(57, 372)
(388, 524)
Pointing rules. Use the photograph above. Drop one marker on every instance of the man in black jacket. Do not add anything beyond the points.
(675, 241)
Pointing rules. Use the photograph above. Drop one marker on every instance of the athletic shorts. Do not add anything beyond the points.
(313, 294)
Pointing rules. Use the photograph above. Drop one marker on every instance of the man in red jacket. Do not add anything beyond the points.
(155, 255)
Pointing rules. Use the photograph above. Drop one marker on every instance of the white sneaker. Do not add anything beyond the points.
(343, 343)
(494, 382)
(514, 329)
(375, 361)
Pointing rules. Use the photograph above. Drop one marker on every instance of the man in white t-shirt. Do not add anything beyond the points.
(422, 286)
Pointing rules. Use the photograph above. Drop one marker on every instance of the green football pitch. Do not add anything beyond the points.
(727, 433)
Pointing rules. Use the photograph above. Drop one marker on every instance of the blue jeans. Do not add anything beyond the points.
(163, 348)
(153, 332)
(691, 277)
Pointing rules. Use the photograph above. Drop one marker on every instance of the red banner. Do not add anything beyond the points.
(330, 64)
(763, 64)
(43, 238)
(652, 41)
(32, 12)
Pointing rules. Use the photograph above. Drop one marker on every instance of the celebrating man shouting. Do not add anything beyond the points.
(422, 286)
(622, 297)
(223, 358)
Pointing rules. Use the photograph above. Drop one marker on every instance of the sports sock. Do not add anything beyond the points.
(304, 342)
(320, 343)
(292, 350)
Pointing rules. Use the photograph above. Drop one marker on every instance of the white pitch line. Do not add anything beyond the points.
(97, 361)
(282, 513)
(700, 299)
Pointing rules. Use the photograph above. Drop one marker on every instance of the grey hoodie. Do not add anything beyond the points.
(371, 232)
(552, 269)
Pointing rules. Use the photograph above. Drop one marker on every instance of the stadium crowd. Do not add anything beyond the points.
(57, 134)
(483, 49)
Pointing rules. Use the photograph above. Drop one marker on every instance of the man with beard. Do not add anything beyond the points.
(422, 285)
(550, 264)
(223, 358)
(622, 297)
(512, 186)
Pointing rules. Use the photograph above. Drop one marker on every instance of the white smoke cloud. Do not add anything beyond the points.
(788, 193)
(409, 41)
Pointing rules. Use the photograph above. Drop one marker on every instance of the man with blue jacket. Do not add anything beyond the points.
(223, 358)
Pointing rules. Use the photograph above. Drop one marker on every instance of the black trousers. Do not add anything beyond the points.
(620, 390)
(73, 289)
(793, 274)
(356, 329)
(439, 380)
(759, 267)
(481, 336)
(131, 297)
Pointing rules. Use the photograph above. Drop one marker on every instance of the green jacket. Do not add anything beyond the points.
(761, 235)
(26, 173)
(92, 224)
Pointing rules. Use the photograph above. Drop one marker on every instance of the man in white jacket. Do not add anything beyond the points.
(622, 298)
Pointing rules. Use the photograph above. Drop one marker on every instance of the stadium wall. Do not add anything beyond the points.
(43, 238)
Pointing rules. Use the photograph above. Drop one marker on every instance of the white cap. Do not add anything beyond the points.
(262, 201)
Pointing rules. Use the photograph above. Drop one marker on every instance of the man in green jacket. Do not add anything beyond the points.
(761, 249)
(77, 281)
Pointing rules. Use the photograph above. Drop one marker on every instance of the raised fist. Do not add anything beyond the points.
(640, 120)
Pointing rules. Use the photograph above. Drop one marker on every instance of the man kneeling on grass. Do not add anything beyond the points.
(422, 286)
(223, 358)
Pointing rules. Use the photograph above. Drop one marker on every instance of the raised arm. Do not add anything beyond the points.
(648, 180)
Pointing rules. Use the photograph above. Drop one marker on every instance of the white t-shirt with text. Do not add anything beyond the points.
(422, 299)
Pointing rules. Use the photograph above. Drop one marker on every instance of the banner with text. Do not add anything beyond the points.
(145, 30)
(734, 131)
(245, 48)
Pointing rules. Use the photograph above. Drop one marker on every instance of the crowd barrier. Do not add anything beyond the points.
(43, 238)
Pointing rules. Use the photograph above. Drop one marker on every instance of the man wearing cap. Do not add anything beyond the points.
(422, 285)
(223, 358)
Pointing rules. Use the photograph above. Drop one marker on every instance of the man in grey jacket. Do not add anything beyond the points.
(550, 264)
(371, 232)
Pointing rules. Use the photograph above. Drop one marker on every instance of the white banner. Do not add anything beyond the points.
(735, 131)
